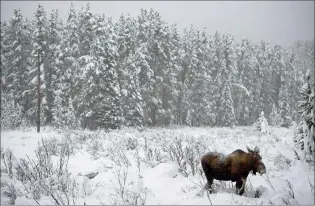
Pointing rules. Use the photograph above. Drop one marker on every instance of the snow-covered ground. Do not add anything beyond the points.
(155, 178)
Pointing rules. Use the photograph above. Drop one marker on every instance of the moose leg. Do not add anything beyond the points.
(238, 186)
(208, 175)
(209, 182)
(243, 186)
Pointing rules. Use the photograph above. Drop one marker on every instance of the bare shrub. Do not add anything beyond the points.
(193, 151)
(118, 155)
(11, 192)
(95, 146)
(269, 182)
(138, 159)
(185, 151)
(51, 145)
(311, 185)
(257, 193)
(201, 186)
(7, 158)
(132, 144)
(82, 138)
(89, 188)
(124, 192)
(282, 162)
(40, 176)
(290, 191)
(176, 150)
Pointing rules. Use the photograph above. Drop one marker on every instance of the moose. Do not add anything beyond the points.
(233, 167)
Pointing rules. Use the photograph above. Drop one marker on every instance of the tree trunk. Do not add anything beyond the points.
(38, 94)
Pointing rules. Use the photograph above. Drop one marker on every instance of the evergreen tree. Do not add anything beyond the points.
(216, 73)
(53, 61)
(305, 136)
(128, 73)
(98, 102)
(228, 118)
(37, 74)
(18, 60)
(228, 74)
(246, 65)
(262, 91)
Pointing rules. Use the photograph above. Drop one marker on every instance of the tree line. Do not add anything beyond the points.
(92, 72)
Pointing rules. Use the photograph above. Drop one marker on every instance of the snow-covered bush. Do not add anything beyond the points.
(11, 192)
(275, 116)
(286, 120)
(132, 144)
(185, 151)
(95, 146)
(117, 154)
(176, 149)
(193, 151)
(282, 162)
(81, 138)
(40, 176)
(7, 159)
(127, 192)
(262, 124)
(51, 145)
(64, 116)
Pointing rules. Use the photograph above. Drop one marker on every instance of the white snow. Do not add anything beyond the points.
(164, 183)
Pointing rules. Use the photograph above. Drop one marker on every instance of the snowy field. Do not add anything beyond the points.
(152, 166)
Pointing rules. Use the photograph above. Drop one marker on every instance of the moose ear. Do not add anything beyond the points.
(250, 150)
(256, 149)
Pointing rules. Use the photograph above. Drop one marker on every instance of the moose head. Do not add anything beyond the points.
(258, 165)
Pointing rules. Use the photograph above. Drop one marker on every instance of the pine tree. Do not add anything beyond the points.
(228, 118)
(246, 65)
(305, 132)
(275, 116)
(4, 52)
(216, 73)
(98, 102)
(198, 81)
(37, 74)
(17, 59)
(262, 92)
(128, 73)
(53, 61)
(86, 30)
(10, 112)
(228, 76)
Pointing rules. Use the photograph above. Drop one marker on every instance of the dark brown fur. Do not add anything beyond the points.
(233, 167)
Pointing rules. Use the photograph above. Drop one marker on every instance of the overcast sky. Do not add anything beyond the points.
(280, 22)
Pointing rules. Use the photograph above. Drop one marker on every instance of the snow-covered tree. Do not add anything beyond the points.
(37, 74)
(262, 91)
(246, 65)
(53, 62)
(85, 29)
(275, 116)
(11, 112)
(98, 103)
(198, 80)
(228, 74)
(262, 123)
(128, 72)
(17, 59)
(305, 136)
(64, 115)
(228, 118)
